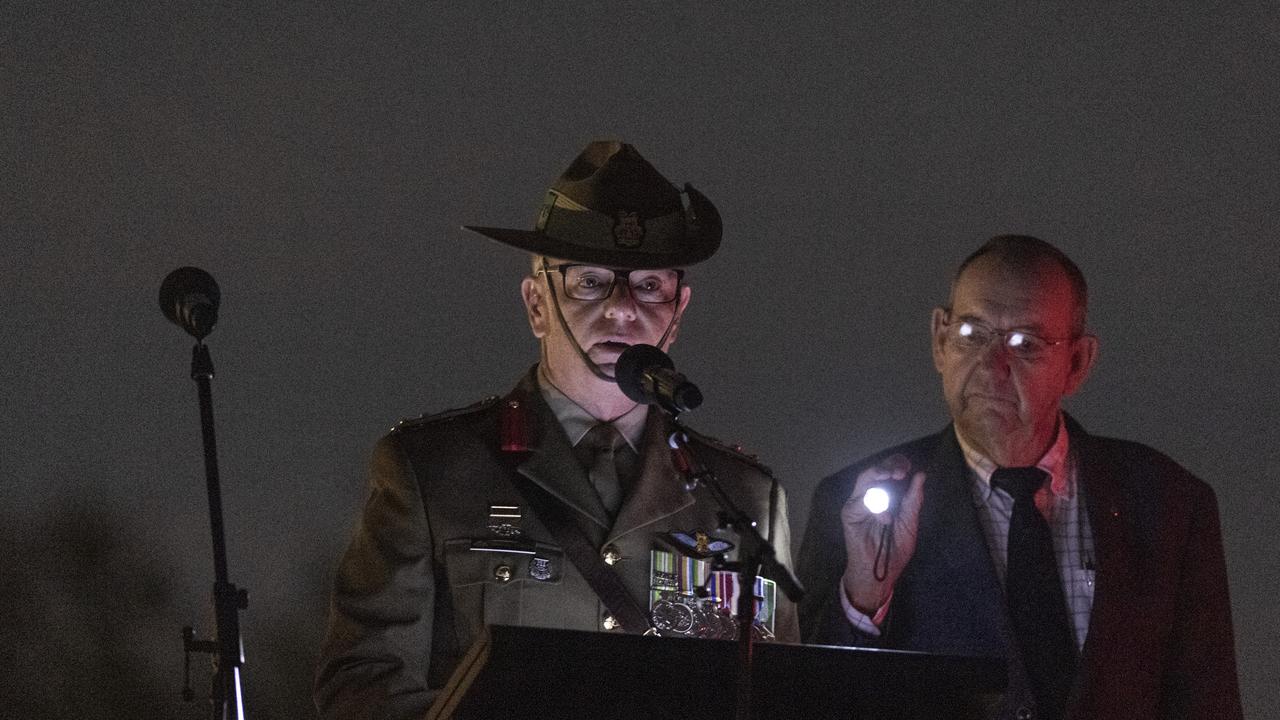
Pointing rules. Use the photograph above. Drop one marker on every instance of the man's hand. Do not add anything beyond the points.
(864, 529)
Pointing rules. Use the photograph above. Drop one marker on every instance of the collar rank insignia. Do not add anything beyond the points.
(628, 230)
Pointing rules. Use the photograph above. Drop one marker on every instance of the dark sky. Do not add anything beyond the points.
(319, 162)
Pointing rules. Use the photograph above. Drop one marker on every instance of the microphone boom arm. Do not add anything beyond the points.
(755, 554)
(752, 543)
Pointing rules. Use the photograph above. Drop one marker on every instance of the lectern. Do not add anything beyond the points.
(520, 672)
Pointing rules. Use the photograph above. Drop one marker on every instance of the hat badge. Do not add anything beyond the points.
(628, 230)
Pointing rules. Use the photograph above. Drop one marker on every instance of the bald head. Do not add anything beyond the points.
(1030, 256)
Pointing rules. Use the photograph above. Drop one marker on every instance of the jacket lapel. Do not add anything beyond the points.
(551, 462)
(659, 491)
(1115, 571)
(953, 561)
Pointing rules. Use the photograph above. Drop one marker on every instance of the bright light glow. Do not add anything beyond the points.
(876, 500)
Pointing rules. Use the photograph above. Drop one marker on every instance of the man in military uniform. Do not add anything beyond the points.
(481, 516)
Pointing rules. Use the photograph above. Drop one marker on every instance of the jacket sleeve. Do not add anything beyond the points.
(373, 663)
(1200, 681)
(822, 560)
(787, 626)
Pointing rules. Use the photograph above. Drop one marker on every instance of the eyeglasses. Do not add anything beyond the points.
(971, 336)
(593, 284)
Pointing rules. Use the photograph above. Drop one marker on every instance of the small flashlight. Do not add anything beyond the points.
(877, 499)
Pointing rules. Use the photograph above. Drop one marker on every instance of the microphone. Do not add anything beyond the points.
(189, 297)
(645, 374)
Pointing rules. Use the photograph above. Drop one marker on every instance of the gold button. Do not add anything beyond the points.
(502, 573)
(609, 623)
(611, 555)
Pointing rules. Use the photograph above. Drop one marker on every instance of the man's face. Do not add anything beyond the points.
(604, 327)
(1005, 404)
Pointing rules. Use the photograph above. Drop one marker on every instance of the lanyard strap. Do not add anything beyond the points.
(582, 553)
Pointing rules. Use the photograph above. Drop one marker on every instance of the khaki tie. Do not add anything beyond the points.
(600, 450)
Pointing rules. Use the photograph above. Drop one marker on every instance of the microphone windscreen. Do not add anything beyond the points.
(631, 366)
(185, 290)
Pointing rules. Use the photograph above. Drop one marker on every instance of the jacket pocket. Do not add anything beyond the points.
(490, 577)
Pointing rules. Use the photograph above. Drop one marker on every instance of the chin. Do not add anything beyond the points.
(987, 425)
(602, 356)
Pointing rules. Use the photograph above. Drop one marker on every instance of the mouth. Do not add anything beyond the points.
(608, 350)
(990, 399)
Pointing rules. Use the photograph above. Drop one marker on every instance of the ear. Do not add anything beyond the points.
(681, 304)
(1084, 353)
(938, 330)
(535, 305)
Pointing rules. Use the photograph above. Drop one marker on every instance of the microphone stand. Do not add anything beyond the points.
(755, 553)
(227, 696)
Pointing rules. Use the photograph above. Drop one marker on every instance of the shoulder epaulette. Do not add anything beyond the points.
(734, 450)
(427, 419)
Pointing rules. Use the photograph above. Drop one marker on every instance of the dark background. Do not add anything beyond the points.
(318, 161)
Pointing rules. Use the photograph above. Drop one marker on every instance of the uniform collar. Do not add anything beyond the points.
(1054, 462)
(576, 421)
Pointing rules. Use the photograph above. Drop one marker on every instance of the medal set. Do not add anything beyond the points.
(688, 598)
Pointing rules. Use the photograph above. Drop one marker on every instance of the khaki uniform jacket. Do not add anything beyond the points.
(411, 593)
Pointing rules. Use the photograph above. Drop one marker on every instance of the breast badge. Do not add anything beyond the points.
(696, 543)
(540, 568)
(504, 520)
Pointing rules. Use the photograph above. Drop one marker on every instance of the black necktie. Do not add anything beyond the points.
(1036, 603)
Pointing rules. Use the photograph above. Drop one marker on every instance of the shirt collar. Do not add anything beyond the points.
(1054, 462)
(576, 421)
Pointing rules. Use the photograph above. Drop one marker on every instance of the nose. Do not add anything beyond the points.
(995, 356)
(620, 304)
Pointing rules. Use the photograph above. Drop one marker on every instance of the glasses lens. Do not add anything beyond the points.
(970, 335)
(583, 282)
(654, 286)
(1025, 346)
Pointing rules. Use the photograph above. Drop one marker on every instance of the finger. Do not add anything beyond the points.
(912, 501)
(897, 467)
(854, 509)
(894, 468)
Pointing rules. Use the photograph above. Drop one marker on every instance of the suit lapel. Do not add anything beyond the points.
(659, 491)
(1113, 549)
(956, 552)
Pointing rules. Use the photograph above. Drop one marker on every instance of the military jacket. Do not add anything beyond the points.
(431, 561)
